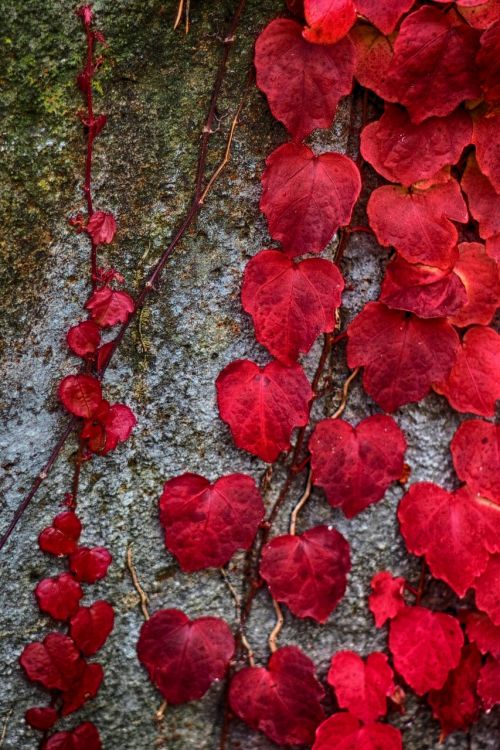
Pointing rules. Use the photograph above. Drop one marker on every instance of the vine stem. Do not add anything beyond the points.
(303, 500)
(87, 188)
(273, 637)
(154, 276)
(143, 597)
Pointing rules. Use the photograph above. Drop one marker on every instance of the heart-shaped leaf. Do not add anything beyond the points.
(91, 626)
(475, 450)
(62, 537)
(343, 731)
(361, 687)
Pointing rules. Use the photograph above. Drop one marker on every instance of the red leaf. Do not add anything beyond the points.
(404, 152)
(90, 564)
(386, 599)
(85, 689)
(109, 426)
(55, 662)
(306, 198)
(182, 656)
(479, 275)
(84, 737)
(262, 405)
(356, 465)
(473, 383)
(482, 632)
(206, 523)
(59, 597)
(84, 338)
(80, 394)
(303, 82)
(402, 355)
(488, 685)
(433, 67)
(384, 14)
(486, 140)
(426, 291)
(429, 514)
(290, 303)
(417, 222)
(283, 700)
(482, 16)
(456, 704)
(308, 571)
(343, 731)
(484, 202)
(361, 687)
(41, 717)
(425, 647)
(475, 450)
(101, 227)
(61, 538)
(328, 20)
(487, 588)
(373, 58)
(103, 355)
(109, 307)
(488, 62)
(91, 626)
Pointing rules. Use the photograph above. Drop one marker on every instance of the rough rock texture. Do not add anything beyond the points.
(155, 85)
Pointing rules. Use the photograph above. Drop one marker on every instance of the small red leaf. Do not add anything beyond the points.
(488, 62)
(386, 599)
(486, 140)
(384, 14)
(328, 20)
(356, 465)
(183, 657)
(308, 571)
(487, 588)
(475, 450)
(283, 700)
(482, 632)
(290, 303)
(425, 647)
(456, 704)
(109, 307)
(90, 564)
(103, 355)
(84, 338)
(361, 687)
(109, 426)
(55, 662)
(101, 227)
(80, 394)
(306, 198)
(85, 689)
(59, 597)
(488, 685)
(262, 405)
(84, 737)
(206, 523)
(343, 731)
(41, 717)
(479, 275)
(62, 537)
(484, 202)
(91, 626)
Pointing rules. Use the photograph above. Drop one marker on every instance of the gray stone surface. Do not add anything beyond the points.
(155, 86)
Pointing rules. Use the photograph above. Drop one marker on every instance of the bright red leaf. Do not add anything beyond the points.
(290, 303)
(108, 306)
(475, 450)
(90, 626)
(84, 338)
(303, 82)
(55, 662)
(386, 599)
(479, 275)
(384, 14)
(328, 20)
(373, 58)
(282, 700)
(488, 685)
(487, 142)
(488, 62)
(456, 705)
(402, 355)
(182, 656)
(356, 465)
(487, 588)
(62, 537)
(90, 564)
(101, 227)
(482, 632)
(306, 198)
(361, 686)
(80, 394)
(262, 405)
(84, 737)
(308, 572)
(206, 523)
(429, 514)
(59, 597)
(84, 689)
(484, 202)
(109, 425)
(425, 647)
(343, 731)
(41, 717)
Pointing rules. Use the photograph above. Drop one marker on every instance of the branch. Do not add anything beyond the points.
(277, 628)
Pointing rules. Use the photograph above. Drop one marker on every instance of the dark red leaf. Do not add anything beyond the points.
(306, 198)
(488, 685)
(484, 202)
(91, 626)
(328, 20)
(482, 632)
(488, 61)
(303, 82)
(479, 275)
(487, 142)
(59, 597)
(84, 737)
(290, 303)
(361, 687)
(206, 523)
(101, 227)
(55, 662)
(90, 564)
(283, 700)
(62, 537)
(487, 588)
(182, 656)
(109, 307)
(402, 355)
(80, 394)
(386, 599)
(475, 450)
(103, 355)
(373, 58)
(307, 571)
(41, 717)
(456, 704)
(343, 731)
(262, 405)
(483, 15)
(85, 689)
(384, 14)
(425, 647)
(84, 338)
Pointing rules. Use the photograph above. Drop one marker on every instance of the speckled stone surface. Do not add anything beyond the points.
(155, 87)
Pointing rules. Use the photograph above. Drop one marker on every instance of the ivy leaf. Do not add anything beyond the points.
(41, 717)
(182, 656)
(373, 59)
(90, 564)
(84, 737)
(206, 523)
(91, 626)
(262, 405)
(402, 355)
(109, 426)
(356, 465)
(83, 690)
(101, 227)
(484, 201)
(108, 306)
(61, 538)
(343, 731)
(482, 632)
(386, 599)
(475, 450)
(59, 597)
(404, 152)
(307, 571)
(471, 526)
(80, 394)
(283, 700)
(290, 303)
(489, 64)
(487, 588)
(84, 338)
(479, 275)
(306, 198)
(361, 687)
(425, 647)
(55, 662)
(384, 14)
(303, 82)
(456, 705)
(486, 140)
(488, 685)
(328, 20)
(482, 16)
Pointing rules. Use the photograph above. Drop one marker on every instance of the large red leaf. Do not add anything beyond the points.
(475, 450)
(290, 303)
(308, 571)
(433, 67)
(343, 731)
(384, 14)
(303, 82)
(487, 142)
(80, 394)
(479, 275)
(487, 588)
(328, 20)
(425, 647)
(282, 700)
(91, 626)
(206, 523)
(84, 737)
(473, 383)
(482, 632)
(429, 514)
(484, 201)
(373, 58)
(306, 198)
(356, 465)
(386, 599)
(262, 405)
(456, 704)
(488, 61)
(488, 685)
(59, 597)
(361, 687)
(182, 656)
(418, 222)
(55, 662)
(402, 355)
